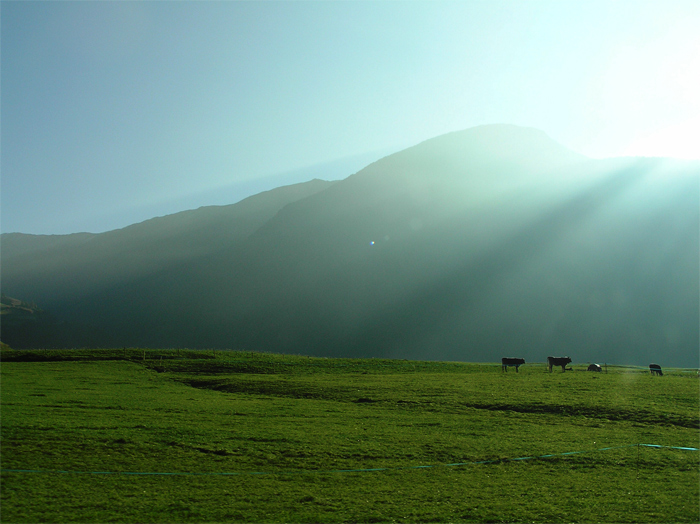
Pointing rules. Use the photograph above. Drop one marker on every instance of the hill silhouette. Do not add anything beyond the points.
(58, 268)
(470, 246)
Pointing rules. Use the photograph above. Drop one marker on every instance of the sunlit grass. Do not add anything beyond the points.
(299, 420)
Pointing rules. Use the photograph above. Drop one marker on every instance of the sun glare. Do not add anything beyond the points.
(677, 141)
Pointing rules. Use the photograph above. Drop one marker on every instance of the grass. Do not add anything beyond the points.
(286, 424)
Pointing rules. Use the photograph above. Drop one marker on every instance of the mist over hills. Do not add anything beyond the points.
(475, 245)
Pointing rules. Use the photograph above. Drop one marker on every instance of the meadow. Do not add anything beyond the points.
(135, 435)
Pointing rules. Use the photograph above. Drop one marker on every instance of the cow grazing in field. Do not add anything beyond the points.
(656, 370)
(595, 367)
(510, 361)
(558, 361)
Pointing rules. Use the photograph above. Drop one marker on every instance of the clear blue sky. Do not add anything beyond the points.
(115, 112)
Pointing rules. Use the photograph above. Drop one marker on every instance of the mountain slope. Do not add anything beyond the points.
(585, 258)
(470, 246)
(55, 270)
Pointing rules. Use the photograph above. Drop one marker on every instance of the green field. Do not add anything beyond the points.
(298, 438)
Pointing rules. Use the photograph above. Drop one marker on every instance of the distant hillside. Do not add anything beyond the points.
(16, 244)
(55, 270)
(27, 323)
(478, 244)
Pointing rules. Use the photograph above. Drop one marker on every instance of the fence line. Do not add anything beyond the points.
(241, 473)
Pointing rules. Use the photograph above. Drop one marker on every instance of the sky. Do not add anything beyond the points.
(116, 112)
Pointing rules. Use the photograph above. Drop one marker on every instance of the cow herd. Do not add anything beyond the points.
(562, 362)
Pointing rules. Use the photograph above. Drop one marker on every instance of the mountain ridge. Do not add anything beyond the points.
(448, 250)
(140, 249)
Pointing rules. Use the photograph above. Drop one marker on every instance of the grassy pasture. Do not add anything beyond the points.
(286, 425)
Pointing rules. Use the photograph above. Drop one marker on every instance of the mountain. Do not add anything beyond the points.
(55, 269)
(474, 245)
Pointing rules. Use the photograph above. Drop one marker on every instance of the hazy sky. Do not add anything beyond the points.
(114, 112)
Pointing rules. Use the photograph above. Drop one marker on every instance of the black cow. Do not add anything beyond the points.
(595, 367)
(656, 370)
(510, 361)
(558, 361)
